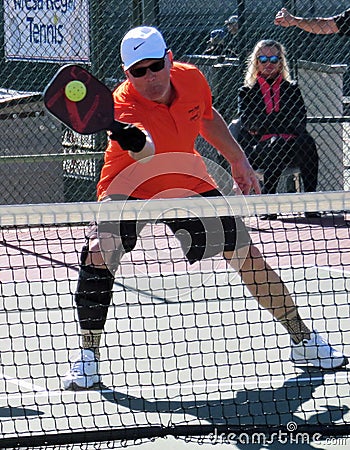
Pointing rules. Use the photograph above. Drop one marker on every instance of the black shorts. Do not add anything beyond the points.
(200, 238)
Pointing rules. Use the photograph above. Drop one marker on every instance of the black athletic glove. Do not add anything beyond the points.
(128, 136)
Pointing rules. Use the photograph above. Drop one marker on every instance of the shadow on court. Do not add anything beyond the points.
(19, 412)
(323, 221)
(259, 408)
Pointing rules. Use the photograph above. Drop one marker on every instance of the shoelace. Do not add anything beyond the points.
(78, 365)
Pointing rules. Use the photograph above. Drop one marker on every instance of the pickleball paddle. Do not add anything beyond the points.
(80, 101)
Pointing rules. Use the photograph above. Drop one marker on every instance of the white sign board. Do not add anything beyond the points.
(47, 30)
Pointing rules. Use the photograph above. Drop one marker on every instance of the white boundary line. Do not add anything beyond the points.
(20, 383)
(332, 269)
(229, 271)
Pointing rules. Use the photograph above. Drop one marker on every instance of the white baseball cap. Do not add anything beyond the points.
(142, 43)
(232, 20)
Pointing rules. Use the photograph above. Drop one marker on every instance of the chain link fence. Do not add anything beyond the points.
(41, 161)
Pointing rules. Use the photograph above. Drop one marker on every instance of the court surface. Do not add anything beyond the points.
(184, 354)
(172, 355)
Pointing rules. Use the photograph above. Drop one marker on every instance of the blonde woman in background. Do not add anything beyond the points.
(273, 119)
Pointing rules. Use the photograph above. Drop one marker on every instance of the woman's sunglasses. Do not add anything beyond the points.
(263, 59)
(139, 72)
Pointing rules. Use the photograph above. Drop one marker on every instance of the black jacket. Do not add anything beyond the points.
(290, 119)
(343, 23)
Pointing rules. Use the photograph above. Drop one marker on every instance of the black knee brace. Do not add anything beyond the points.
(93, 296)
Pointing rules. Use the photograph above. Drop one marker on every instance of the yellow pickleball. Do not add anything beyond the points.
(75, 91)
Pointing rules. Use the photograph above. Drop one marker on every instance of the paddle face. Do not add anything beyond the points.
(79, 100)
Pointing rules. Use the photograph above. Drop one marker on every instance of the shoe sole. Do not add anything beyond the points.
(307, 364)
(75, 387)
(71, 385)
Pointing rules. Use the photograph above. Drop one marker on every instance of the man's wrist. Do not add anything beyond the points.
(238, 157)
(295, 21)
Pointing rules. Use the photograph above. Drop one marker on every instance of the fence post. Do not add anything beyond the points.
(150, 12)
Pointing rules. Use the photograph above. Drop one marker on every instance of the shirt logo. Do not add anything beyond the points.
(137, 46)
(194, 113)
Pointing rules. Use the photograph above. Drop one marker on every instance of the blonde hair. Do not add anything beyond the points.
(252, 62)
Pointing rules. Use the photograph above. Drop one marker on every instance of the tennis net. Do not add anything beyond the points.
(186, 350)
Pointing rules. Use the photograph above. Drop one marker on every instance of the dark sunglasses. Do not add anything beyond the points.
(139, 72)
(272, 59)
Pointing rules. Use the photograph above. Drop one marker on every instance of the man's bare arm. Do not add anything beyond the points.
(216, 132)
(317, 25)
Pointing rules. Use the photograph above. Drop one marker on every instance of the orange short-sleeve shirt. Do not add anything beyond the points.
(176, 169)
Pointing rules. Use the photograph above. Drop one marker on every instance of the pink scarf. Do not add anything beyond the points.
(272, 102)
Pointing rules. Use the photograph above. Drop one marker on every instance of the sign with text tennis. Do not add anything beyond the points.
(47, 30)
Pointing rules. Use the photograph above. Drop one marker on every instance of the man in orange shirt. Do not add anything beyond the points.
(168, 104)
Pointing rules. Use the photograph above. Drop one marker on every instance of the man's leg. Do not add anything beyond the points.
(99, 261)
(269, 290)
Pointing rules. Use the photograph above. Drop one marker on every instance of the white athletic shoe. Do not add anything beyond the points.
(83, 373)
(317, 352)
